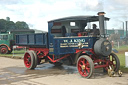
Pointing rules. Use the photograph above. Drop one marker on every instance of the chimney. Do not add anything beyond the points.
(7, 19)
(123, 29)
(101, 23)
(126, 29)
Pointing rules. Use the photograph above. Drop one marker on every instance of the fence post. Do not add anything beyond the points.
(126, 59)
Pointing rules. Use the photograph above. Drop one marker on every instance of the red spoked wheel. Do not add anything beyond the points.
(114, 62)
(3, 50)
(85, 66)
(29, 60)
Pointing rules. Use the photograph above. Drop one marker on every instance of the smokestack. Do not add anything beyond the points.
(7, 19)
(126, 29)
(123, 29)
(101, 23)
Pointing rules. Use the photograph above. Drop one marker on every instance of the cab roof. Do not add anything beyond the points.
(77, 18)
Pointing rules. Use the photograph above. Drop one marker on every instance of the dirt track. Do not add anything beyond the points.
(13, 72)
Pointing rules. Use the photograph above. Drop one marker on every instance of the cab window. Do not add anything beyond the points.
(3, 37)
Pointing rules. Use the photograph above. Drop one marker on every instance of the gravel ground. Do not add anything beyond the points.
(13, 72)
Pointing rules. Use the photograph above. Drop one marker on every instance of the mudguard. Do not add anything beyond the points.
(114, 50)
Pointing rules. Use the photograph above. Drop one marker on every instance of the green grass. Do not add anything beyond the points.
(121, 56)
(121, 48)
(15, 53)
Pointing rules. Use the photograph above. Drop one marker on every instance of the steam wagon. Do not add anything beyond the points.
(71, 41)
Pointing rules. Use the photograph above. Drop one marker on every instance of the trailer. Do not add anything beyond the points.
(71, 41)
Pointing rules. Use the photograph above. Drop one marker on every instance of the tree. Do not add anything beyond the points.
(21, 25)
(10, 25)
(114, 37)
(2, 24)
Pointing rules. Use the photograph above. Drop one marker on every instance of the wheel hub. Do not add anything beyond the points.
(83, 67)
(3, 50)
(29, 59)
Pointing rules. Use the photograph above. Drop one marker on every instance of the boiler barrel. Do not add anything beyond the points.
(102, 47)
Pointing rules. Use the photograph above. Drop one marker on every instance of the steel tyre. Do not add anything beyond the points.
(85, 66)
(35, 56)
(29, 60)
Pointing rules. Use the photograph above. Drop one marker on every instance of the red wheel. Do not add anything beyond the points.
(3, 50)
(29, 60)
(85, 66)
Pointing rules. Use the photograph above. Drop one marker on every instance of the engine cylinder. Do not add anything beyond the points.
(102, 47)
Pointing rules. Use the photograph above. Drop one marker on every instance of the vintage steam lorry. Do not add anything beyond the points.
(69, 42)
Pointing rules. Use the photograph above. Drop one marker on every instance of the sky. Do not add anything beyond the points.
(36, 13)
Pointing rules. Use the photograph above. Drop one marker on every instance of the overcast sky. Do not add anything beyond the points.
(37, 12)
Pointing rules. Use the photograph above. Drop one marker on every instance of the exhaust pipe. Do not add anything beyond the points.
(101, 23)
(126, 29)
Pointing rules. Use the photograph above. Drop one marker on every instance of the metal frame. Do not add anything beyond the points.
(41, 52)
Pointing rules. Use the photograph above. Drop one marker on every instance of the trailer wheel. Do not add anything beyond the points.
(85, 66)
(29, 60)
(3, 50)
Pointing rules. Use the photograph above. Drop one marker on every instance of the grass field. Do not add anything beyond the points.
(121, 55)
(15, 54)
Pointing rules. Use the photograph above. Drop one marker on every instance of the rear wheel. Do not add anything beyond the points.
(35, 56)
(29, 60)
(85, 66)
(3, 50)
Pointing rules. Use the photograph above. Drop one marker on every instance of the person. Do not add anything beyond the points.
(94, 26)
(63, 29)
(95, 31)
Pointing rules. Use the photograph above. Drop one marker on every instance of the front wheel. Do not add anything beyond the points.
(85, 66)
(3, 50)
